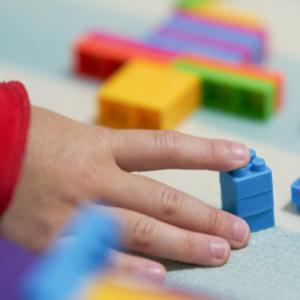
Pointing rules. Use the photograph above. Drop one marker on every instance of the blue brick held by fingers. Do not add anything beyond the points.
(248, 193)
(261, 221)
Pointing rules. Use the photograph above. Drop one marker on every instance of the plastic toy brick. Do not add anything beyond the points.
(173, 40)
(147, 94)
(252, 71)
(248, 206)
(248, 192)
(65, 267)
(199, 27)
(296, 193)
(100, 55)
(261, 221)
(112, 290)
(241, 187)
(230, 92)
(215, 12)
(14, 264)
(191, 3)
(238, 53)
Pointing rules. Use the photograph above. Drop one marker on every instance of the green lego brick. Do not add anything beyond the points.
(238, 94)
(191, 3)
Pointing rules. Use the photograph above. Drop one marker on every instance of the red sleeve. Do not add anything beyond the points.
(14, 123)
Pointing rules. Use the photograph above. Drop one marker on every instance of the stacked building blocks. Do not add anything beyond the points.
(99, 54)
(149, 95)
(231, 92)
(248, 193)
(296, 193)
(209, 38)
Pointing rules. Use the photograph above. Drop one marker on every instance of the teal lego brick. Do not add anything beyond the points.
(233, 93)
(261, 221)
(296, 193)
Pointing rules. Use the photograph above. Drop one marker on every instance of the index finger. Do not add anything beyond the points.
(141, 150)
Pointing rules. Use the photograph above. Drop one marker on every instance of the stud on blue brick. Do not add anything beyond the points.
(296, 193)
(248, 193)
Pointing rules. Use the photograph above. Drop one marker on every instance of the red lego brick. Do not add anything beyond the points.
(100, 55)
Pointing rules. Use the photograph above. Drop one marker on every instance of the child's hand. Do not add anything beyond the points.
(68, 163)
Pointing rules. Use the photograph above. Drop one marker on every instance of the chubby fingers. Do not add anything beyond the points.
(153, 237)
(138, 267)
(164, 203)
(138, 150)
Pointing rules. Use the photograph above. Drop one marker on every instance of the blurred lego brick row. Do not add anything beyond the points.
(189, 33)
(242, 89)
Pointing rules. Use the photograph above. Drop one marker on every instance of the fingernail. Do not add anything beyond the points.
(155, 275)
(240, 231)
(240, 152)
(218, 250)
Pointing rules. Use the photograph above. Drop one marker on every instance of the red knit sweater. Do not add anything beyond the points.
(14, 123)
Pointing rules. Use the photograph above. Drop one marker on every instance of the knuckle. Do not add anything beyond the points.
(126, 264)
(190, 247)
(213, 150)
(144, 231)
(172, 202)
(212, 220)
(168, 140)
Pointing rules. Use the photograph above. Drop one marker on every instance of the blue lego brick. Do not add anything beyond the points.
(171, 43)
(251, 180)
(249, 41)
(249, 206)
(296, 193)
(261, 221)
(60, 273)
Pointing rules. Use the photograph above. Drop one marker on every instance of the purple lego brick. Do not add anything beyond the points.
(241, 52)
(198, 26)
(14, 264)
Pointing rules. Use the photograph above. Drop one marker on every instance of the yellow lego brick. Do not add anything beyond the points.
(130, 291)
(147, 94)
(226, 13)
